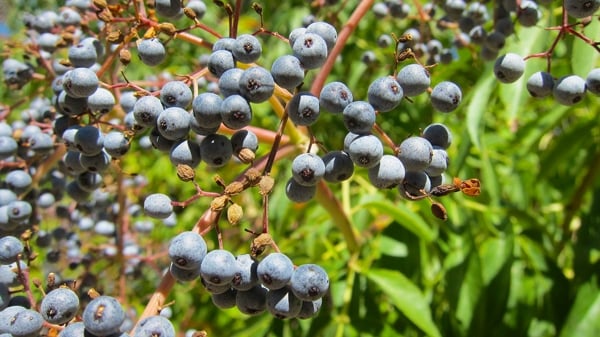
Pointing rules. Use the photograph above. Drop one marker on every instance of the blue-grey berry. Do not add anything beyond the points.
(415, 153)
(569, 90)
(59, 306)
(388, 173)
(218, 267)
(103, 316)
(309, 282)
(158, 206)
(509, 67)
(187, 250)
(446, 96)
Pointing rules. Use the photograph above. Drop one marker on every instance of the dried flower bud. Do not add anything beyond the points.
(167, 28)
(266, 185)
(253, 176)
(439, 211)
(189, 13)
(115, 37)
(260, 243)
(125, 56)
(185, 172)
(219, 203)
(234, 214)
(246, 155)
(233, 188)
(105, 15)
(100, 4)
(92, 293)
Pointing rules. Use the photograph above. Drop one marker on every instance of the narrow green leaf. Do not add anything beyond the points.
(405, 217)
(407, 297)
(470, 292)
(495, 252)
(478, 105)
(584, 58)
(583, 319)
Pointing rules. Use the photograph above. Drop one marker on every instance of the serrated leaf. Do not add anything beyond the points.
(405, 296)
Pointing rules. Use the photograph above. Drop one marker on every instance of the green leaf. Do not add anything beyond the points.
(478, 105)
(405, 296)
(584, 58)
(583, 319)
(405, 217)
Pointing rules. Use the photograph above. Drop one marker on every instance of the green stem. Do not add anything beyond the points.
(328, 201)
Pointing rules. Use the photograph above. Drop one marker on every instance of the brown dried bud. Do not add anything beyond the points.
(115, 37)
(125, 56)
(167, 28)
(67, 37)
(234, 213)
(189, 13)
(200, 333)
(439, 211)
(150, 33)
(92, 293)
(246, 155)
(253, 176)
(266, 185)
(100, 4)
(234, 188)
(219, 203)
(105, 15)
(185, 172)
(65, 63)
(260, 243)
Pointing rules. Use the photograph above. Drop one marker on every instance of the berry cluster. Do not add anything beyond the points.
(273, 284)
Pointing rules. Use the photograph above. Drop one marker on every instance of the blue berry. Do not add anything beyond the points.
(335, 96)
(287, 72)
(275, 270)
(158, 206)
(338, 166)
(569, 90)
(365, 150)
(385, 93)
(187, 250)
(207, 110)
(529, 14)
(220, 61)
(8, 147)
(311, 50)
(101, 101)
(25, 323)
(414, 79)
(253, 301)
(310, 308)
(225, 300)
(438, 134)
(10, 248)
(183, 275)
(18, 181)
(96, 163)
(509, 68)
(216, 150)
(282, 303)
(229, 82)
(580, 9)
(309, 282)
(592, 81)
(151, 51)
(439, 163)
(103, 316)
(359, 117)
(244, 139)
(416, 183)
(80, 82)
(173, 123)
(218, 267)
(446, 96)
(247, 48)
(89, 140)
(176, 94)
(185, 152)
(324, 30)
(415, 153)
(59, 306)
(256, 84)
(83, 54)
(299, 193)
(388, 173)
(146, 110)
(116, 144)
(168, 8)
(303, 109)
(308, 169)
(236, 112)
(540, 84)
(155, 326)
(246, 273)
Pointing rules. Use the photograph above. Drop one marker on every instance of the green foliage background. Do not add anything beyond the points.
(522, 259)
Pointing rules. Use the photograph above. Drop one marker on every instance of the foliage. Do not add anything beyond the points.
(522, 258)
